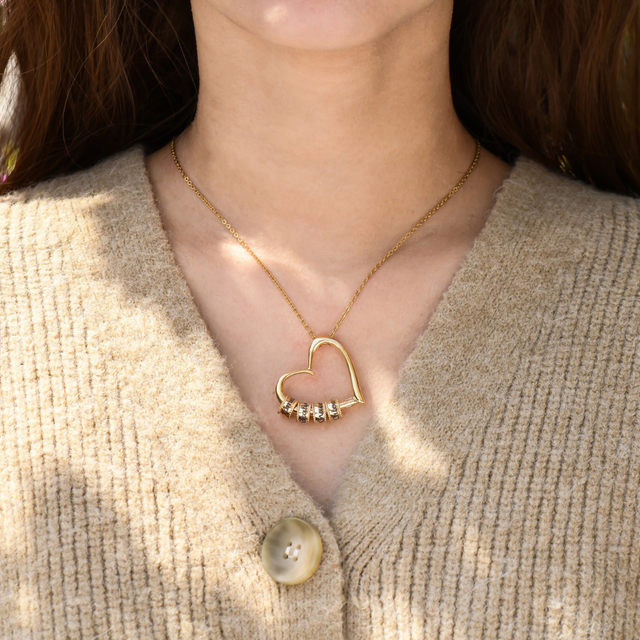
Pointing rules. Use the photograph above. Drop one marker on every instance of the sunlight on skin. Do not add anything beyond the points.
(276, 14)
(282, 264)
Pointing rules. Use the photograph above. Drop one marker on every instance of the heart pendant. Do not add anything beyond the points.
(321, 411)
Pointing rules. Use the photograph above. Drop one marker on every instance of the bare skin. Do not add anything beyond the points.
(324, 131)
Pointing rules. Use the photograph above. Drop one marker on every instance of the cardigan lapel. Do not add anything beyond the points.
(401, 512)
(423, 430)
(226, 486)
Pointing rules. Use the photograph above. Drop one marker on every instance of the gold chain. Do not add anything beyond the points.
(398, 244)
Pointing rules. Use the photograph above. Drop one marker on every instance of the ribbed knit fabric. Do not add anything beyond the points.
(497, 494)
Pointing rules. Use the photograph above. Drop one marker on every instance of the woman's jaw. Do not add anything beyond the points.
(321, 25)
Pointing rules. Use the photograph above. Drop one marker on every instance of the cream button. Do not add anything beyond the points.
(291, 551)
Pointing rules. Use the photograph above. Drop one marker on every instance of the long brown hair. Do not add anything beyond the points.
(558, 80)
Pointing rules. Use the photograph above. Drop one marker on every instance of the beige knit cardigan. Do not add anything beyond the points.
(496, 495)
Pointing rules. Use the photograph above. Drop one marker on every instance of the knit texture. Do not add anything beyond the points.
(496, 495)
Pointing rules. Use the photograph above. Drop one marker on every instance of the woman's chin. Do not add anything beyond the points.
(321, 25)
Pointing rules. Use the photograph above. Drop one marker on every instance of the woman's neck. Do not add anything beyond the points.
(346, 148)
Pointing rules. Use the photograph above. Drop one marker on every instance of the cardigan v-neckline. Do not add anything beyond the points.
(396, 426)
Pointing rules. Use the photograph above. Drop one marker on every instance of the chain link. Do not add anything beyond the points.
(398, 244)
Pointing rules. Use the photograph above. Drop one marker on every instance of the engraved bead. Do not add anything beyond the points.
(304, 413)
(320, 412)
(288, 406)
(333, 410)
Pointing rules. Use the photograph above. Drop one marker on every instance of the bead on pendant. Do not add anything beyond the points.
(333, 409)
(304, 413)
(320, 414)
(288, 406)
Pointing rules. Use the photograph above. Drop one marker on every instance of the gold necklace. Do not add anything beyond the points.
(321, 412)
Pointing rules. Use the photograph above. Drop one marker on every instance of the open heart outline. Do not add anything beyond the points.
(357, 397)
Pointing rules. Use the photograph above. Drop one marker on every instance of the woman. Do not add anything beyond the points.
(483, 477)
